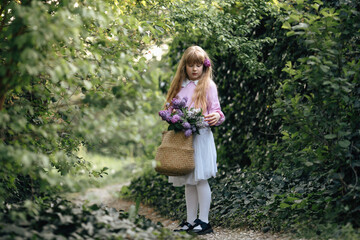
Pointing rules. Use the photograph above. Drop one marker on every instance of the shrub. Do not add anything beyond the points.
(61, 219)
(261, 200)
(287, 75)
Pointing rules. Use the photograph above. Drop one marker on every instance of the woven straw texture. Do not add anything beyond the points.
(175, 155)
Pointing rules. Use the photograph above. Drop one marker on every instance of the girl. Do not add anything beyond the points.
(193, 79)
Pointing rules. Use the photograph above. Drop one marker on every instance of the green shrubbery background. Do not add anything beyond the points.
(73, 75)
(288, 79)
(264, 201)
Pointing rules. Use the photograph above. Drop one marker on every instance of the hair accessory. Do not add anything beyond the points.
(207, 62)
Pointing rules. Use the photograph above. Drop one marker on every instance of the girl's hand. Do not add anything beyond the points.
(212, 118)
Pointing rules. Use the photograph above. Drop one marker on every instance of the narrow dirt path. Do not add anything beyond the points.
(108, 197)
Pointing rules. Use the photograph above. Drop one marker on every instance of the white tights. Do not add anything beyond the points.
(198, 196)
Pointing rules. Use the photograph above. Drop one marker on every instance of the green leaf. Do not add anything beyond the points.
(290, 33)
(325, 68)
(344, 143)
(286, 25)
(284, 205)
(309, 164)
(87, 84)
(146, 39)
(330, 136)
(315, 6)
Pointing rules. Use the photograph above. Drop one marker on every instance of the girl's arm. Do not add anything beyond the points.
(213, 104)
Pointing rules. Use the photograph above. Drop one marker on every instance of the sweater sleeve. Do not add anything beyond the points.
(214, 104)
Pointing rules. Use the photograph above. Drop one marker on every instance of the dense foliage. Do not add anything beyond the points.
(288, 79)
(60, 219)
(265, 201)
(256, 47)
(70, 74)
(74, 73)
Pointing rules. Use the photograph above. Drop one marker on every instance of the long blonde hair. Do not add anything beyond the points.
(192, 55)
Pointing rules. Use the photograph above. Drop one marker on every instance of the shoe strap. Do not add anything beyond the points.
(202, 224)
(186, 224)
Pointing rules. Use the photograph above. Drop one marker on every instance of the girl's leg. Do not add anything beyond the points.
(204, 196)
(192, 203)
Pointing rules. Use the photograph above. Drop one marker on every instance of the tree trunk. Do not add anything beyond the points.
(2, 101)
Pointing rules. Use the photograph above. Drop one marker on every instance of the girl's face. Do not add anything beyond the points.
(194, 70)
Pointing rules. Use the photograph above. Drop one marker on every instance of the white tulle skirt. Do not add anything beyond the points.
(205, 160)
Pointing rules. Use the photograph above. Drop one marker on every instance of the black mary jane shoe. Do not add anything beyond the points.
(205, 228)
(183, 224)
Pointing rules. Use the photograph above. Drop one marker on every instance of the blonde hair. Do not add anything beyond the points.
(192, 55)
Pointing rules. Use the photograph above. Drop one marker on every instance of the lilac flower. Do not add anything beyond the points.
(186, 125)
(163, 114)
(193, 113)
(188, 133)
(182, 103)
(179, 112)
(176, 103)
(201, 122)
(170, 109)
(207, 62)
(175, 118)
(168, 118)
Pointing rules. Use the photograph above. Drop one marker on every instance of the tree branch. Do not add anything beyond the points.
(2, 101)
(3, 91)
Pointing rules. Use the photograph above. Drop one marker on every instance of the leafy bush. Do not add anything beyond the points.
(70, 73)
(60, 219)
(153, 189)
(287, 75)
(318, 102)
(281, 68)
(299, 203)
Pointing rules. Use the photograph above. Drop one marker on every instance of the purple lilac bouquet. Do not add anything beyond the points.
(183, 119)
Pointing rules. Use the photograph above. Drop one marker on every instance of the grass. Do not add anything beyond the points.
(118, 170)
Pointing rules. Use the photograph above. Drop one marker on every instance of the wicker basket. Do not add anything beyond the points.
(175, 155)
